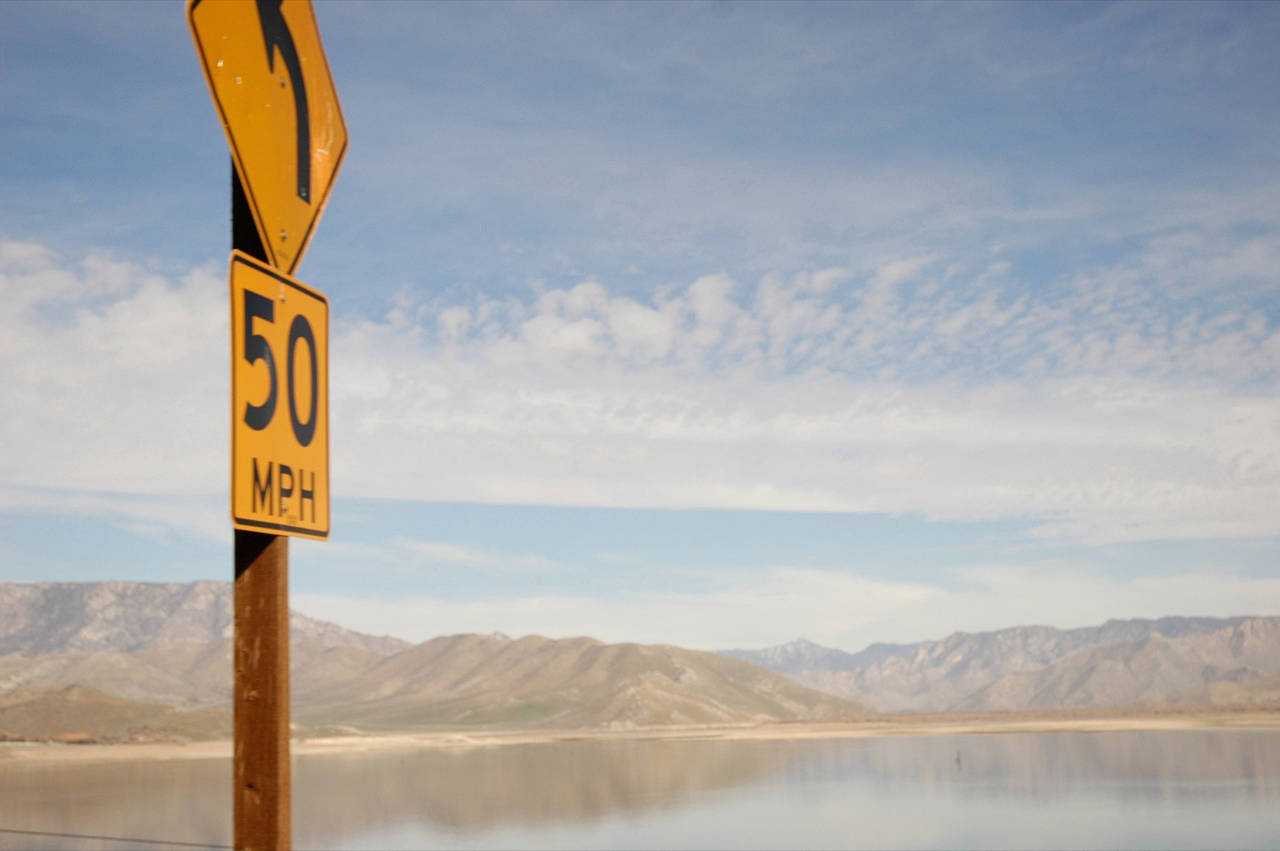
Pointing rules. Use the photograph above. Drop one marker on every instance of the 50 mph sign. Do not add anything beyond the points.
(279, 402)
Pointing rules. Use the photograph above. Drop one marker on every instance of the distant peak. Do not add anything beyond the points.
(805, 646)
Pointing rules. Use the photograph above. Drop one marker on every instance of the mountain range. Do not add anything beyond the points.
(1169, 661)
(128, 660)
(134, 651)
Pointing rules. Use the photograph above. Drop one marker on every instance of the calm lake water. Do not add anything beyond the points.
(1218, 789)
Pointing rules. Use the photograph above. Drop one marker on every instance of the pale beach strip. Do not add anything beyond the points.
(884, 725)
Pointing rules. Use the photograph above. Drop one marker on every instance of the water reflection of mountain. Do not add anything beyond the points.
(520, 792)
(527, 784)
(1034, 764)
(341, 796)
(176, 801)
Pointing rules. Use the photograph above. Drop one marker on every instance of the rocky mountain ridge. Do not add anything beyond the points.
(1120, 663)
(126, 617)
(797, 656)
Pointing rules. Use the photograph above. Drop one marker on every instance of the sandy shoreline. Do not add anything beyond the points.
(885, 725)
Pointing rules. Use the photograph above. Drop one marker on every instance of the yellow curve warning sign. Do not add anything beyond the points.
(270, 81)
(279, 402)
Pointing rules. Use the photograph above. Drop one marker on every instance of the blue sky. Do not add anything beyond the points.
(708, 324)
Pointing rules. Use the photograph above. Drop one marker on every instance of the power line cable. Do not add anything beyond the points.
(132, 839)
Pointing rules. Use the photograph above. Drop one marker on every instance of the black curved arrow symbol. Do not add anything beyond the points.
(275, 32)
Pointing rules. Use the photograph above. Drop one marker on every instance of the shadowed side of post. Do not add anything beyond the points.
(262, 799)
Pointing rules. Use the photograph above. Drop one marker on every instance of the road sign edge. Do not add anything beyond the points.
(236, 159)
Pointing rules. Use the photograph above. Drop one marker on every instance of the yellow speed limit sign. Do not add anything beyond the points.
(279, 402)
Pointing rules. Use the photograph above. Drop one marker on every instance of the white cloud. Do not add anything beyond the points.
(758, 609)
(199, 515)
(452, 554)
(115, 376)
(888, 275)
(1104, 410)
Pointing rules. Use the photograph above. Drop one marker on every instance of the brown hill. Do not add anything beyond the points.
(187, 675)
(577, 682)
(1261, 693)
(79, 714)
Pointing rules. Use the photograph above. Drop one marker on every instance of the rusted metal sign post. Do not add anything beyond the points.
(271, 86)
